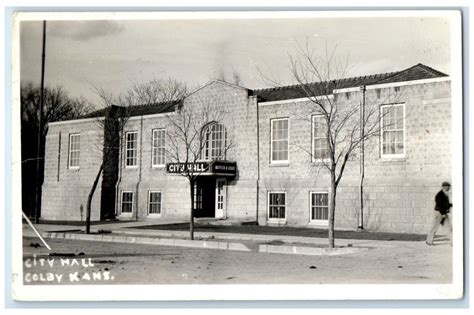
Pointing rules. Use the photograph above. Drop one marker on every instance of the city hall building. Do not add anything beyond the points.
(271, 174)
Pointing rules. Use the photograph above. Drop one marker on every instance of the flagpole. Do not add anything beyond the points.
(40, 131)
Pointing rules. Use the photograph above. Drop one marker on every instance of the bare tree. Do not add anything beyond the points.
(118, 108)
(344, 126)
(58, 105)
(233, 78)
(154, 91)
(189, 145)
(112, 121)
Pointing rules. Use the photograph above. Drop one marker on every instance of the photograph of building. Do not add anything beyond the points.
(203, 153)
(273, 180)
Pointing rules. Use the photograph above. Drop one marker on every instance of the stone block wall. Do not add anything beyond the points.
(238, 113)
(65, 189)
(398, 192)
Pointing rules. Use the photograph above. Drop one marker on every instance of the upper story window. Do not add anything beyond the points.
(158, 149)
(215, 142)
(74, 150)
(320, 141)
(392, 130)
(131, 148)
(279, 140)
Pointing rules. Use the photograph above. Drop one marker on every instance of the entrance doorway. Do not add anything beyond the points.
(209, 197)
(204, 196)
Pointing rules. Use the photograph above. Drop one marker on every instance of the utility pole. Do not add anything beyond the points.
(40, 131)
(362, 158)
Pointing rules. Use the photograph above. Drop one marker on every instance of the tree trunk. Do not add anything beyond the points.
(332, 210)
(191, 219)
(89, 200)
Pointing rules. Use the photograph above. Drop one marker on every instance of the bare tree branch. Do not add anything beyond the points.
(318, 78)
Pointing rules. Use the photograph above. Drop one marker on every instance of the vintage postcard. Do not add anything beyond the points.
(237, 156)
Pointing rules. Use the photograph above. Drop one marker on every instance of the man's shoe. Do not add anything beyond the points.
(429, 244)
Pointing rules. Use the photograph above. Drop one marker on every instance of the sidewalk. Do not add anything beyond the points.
(287, 240)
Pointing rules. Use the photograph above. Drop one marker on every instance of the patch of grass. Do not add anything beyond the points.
(288, 231)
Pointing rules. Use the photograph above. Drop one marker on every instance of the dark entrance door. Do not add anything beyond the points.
(205, 197)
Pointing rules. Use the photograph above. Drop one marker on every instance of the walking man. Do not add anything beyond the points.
(442, 212)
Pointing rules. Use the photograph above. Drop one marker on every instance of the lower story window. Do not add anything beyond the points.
(127, 201)
(154, 202)
(277, 205)
(319, 206)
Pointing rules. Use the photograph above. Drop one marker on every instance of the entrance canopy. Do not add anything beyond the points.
(215, 168)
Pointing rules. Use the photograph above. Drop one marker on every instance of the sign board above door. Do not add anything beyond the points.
(216, 168)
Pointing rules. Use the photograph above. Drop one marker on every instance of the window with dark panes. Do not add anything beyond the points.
(127, 202)
(154, 202)
(277, 205)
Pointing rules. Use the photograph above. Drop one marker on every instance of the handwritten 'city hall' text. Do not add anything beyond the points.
(83, 271)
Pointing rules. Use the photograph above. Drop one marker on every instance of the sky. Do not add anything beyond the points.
(112, 53)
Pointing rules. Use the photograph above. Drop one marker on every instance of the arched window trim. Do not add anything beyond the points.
(215, 142)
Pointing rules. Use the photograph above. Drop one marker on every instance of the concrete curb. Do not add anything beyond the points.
(215, 244)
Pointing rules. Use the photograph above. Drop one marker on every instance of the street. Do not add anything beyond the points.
(117, 263)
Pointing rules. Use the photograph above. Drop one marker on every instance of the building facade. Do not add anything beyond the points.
(274, 171)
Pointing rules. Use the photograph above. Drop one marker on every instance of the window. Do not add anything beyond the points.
(320, 140)
(279, 140)
(74, 150)
(197, 197)
(276, 205)
(158, 150)
(319, 206)
(392, 135)
(216, 138)
(131, 148)
(127, 202)
(154, 202)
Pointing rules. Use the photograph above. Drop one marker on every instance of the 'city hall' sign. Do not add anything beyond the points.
(178, 168)
(218, 168)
